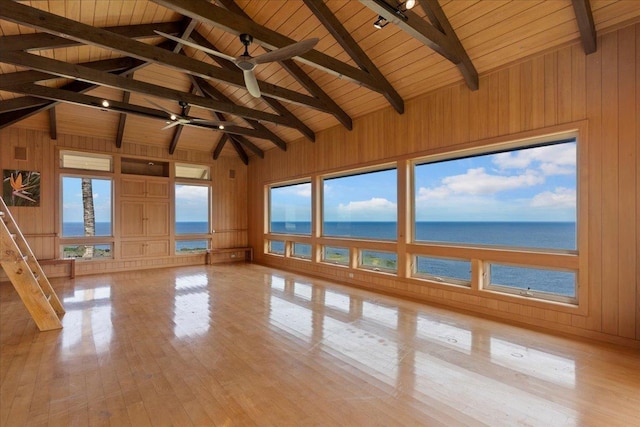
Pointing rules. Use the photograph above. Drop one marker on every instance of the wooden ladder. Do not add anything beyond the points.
(26, 275)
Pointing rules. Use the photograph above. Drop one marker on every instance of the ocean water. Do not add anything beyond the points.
(76, 229)
(537, 235)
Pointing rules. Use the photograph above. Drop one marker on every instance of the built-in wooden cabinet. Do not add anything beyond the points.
(145, 216)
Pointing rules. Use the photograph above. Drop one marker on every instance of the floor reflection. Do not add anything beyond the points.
(192, 306)
(88, 314)
(413, 350)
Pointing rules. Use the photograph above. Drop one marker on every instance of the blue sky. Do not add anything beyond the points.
(536, 184)
(72, 199)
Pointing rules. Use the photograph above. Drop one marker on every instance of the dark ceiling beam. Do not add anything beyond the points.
(53, 127)
(64, 69)
(21, 103)
(440, 20)
(206, 89)
(41, 41)
(55, 94)
(240, 151)
(191, 25)
(303, 78)
(273, 103)
(122, 120)
(38, 105)
(587, 27)
(220, 146)
(342, 36)
(32, 76)
(443, 42)
(214, 93)
(236, 24)
(54, 24)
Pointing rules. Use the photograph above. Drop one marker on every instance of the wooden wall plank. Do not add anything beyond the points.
(637, 311)
(627, 170)
(609, 163)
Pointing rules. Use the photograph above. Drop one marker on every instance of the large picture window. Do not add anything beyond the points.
(86, 206)
(192, 209)
(361, 206)
(525, 197)
(290, 209)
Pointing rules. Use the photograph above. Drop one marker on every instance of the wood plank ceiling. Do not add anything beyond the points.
(60, 59)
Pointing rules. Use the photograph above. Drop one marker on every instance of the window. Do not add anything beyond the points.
(523, 197)
(87, 251)
(335, 255)
(185, 247)
(276, 247)
(94, 162)
(192, 209)
(379, 261)
(86, 206)
(361, 206)
(443, 270)
(533, 282)
(290, 209)
(301, 250)
(192, 171)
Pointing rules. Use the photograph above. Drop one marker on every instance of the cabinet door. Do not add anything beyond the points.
(158, 189)
(132, 249)
(157, 218)
(132, 187)
(157, 248)
(132, 217)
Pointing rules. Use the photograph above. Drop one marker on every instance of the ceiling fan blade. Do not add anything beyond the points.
(161, 107)
(286, 52)
(213, 122)
(196, 46)
(251, 83)
(170, 125)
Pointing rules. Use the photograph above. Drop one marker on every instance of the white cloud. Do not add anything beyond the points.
(375, 204)
(551, 159)
(304, 191)
(192, 193)
(561, 197)
(478, 182)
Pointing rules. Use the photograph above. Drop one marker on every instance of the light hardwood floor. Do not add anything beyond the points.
(248, 345)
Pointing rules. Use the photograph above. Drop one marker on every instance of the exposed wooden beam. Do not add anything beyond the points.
(53, 128)
(236, 24)
(31, 76)
(118, 106)
(64, 69)
(440, 20)
(240, 151)
(342, 36)
(122, 120)
(42, 41)
(587, 27)
(37, 104)
(21, 103)
(273, 103)
(444, 42)
(214, 93)
(54, 24)
(219, 146)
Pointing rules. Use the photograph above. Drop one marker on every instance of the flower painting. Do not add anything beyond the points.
(21, 188)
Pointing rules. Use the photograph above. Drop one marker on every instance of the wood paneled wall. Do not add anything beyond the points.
(556, 88)
(40, 224)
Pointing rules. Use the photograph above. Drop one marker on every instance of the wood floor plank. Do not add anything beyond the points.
(249, 345)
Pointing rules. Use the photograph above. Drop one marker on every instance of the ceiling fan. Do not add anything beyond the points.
(182, 119)
(246, 62)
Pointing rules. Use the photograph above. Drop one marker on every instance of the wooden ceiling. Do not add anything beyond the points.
(353, 70)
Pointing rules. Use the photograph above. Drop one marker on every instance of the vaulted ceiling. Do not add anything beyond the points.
(61, 59)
